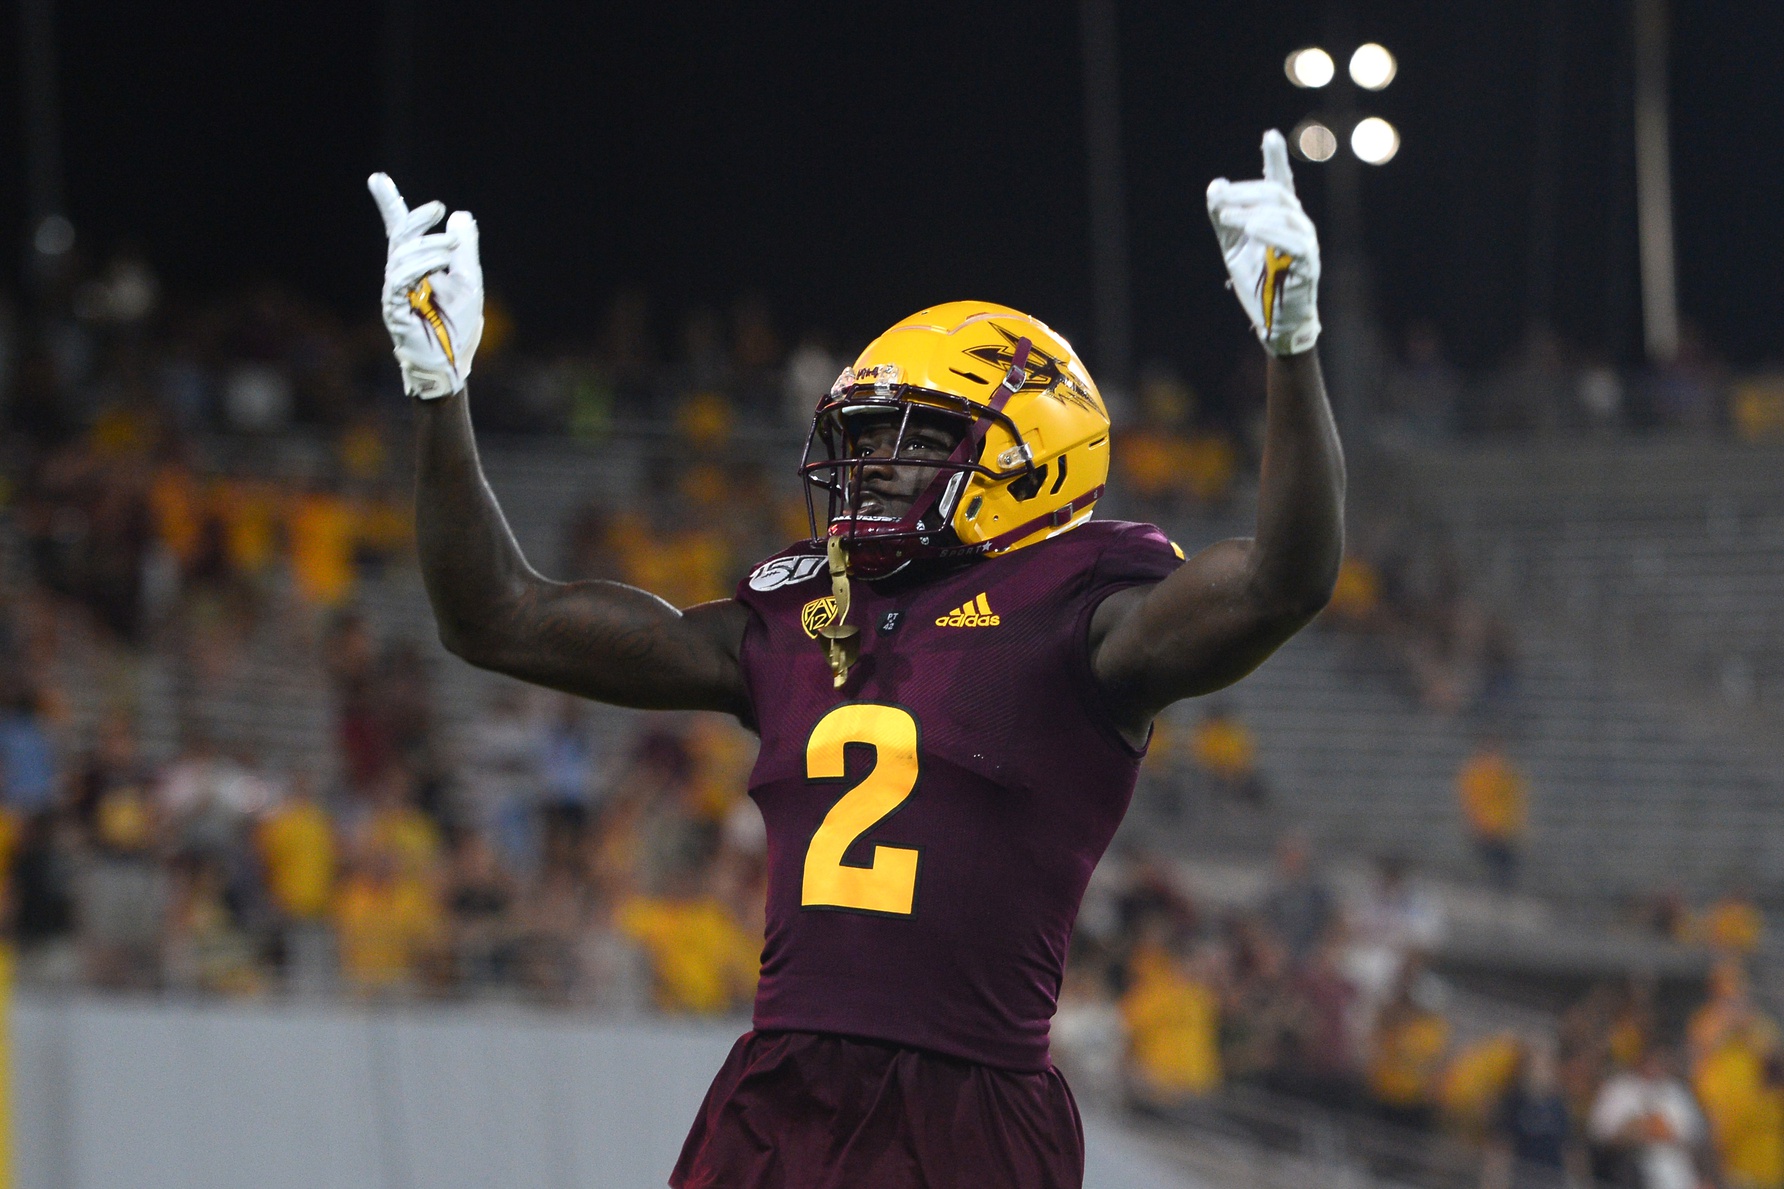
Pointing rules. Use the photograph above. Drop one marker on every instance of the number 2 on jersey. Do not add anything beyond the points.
(889, 884)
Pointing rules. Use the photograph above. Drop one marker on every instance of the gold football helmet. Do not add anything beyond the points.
(1033, 455)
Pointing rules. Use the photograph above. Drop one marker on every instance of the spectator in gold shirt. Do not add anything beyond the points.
(1733, 925)
(1171, 1011)
(297, 846)
(1225, 755)
(323, 529)
(1495, 795)
(1738, 1084)
(703, 962)
(1729, 1006)
(1406, 1056)
(389, 914)
(1357, 597)
(390, 926)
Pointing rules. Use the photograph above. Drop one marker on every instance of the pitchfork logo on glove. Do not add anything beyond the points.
(1271, 251)
(1269, 285)
(421, 300)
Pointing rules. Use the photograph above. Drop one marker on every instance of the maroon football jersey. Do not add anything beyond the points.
(932, 825)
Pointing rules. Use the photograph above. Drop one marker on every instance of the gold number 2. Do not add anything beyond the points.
(889, 885)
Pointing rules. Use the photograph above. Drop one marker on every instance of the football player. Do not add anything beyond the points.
(953, 681)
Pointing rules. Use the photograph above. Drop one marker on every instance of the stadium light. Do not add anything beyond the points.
(1374, 141)
(1309, 68)
(1313, 141)
(54, 236)
(1372, 67)
(1319, 137)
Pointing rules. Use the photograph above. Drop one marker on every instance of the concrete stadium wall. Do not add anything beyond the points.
(166, 1095)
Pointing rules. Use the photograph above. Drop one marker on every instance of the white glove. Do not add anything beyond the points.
(433, 292)
(1271, 250)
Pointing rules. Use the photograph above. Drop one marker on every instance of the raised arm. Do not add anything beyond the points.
(1234, 603)
(602, 640)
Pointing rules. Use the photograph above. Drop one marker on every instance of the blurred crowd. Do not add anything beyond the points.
(187, 479)
(161, 515)
(1301, 989)
(522, 857)
(1546, 386)
(1403, 596)
(263, 360)
(101, 334)
(182, 483)
(1332, 999)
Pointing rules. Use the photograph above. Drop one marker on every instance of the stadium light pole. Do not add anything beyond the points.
(1544, 166)
(1653, 184)
(1344, 274)
(48, 233)
(1111, 285)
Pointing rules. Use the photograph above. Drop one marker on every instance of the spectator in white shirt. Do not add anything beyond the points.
(1647, 1115)
(1397, 917)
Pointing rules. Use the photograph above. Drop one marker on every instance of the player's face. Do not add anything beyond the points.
(888, 489)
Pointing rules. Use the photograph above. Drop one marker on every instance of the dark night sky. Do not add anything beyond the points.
(853, 165)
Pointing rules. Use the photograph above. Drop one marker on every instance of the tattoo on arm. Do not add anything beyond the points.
(578, 640)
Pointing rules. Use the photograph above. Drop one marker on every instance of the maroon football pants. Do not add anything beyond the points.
(810, 1110)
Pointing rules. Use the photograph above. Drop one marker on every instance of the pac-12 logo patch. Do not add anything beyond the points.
(817, 615)
(777, 572)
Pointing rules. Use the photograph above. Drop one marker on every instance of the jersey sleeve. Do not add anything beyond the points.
(776, 590)
(795, 569)
(1135, 556)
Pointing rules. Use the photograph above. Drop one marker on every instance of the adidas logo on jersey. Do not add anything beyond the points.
(976, 614)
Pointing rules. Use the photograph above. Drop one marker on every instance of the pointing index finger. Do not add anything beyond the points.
(389, 200)
(1276, 167)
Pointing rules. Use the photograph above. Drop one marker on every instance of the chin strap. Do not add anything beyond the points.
(1057, 518)
(842, 640)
